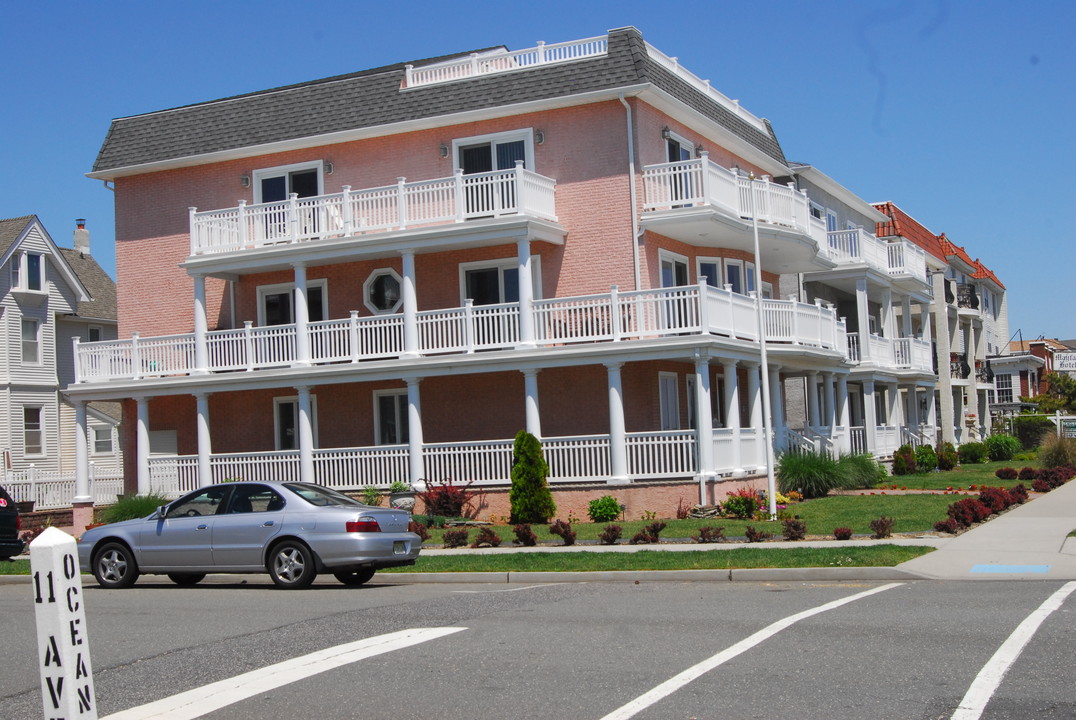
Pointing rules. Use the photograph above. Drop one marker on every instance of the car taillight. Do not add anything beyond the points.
(18, 522)
(363, 525)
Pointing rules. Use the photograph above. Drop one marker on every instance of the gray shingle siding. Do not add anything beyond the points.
(373, 98)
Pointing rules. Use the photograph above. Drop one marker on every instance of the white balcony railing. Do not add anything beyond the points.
(501, 61)
(607, 317)
(455, 199)
(701, 182)
(895, 353)
(906, 258)
(893, 258)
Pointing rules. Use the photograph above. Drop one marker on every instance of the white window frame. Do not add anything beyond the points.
(998, 386)
(669, 405)
(817, 211)
(37, 341)
(40, 431)
(370, 279)
(95, 439)
(711, 281)
(501, 264)
(20, 272)
(394, 393)
(264, 173)
(280, 288)
(665, 256)
(831, 220)
(95, 328)
(684, 143)
(524, 134)
(294, 401)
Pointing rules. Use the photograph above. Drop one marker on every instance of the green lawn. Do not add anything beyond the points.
(881, 555)
(962, 477)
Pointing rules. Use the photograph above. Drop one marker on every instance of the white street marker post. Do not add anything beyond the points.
(63, 647)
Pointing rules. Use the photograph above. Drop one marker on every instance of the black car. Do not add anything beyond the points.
(10, 542)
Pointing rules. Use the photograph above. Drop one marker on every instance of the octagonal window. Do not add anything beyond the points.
(381, 291)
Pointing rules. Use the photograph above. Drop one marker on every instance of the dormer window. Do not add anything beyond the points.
(28, 272)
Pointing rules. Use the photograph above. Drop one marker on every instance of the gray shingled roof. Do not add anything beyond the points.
(101, 287)
(373, 97)
(11, 229)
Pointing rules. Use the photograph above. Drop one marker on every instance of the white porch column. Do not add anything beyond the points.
(924, 321)
(893, 405)
(732, 414)
(82, 456)
(410, 307)
(844, 414)
(889, 323)
(906, 317)
(863, 318)
(814, 417)
(777, 407)
(618, 437)
(416, 465)
(142, 445)
(306, 435)
(913, 408)
(828, 396)
(526, 293)
(534, 418)
(205, 450)
(201, 328)
(704, 424)
(931, 418)
(870, 415)
(302, 320)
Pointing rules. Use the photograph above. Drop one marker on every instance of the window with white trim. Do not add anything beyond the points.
(491, 282)
(276, 303)
(31, 342)
(1003, 385)
(668, 387)
(390, 417)
(498, 151)
(28, 272)
(102, 440)
(33, 439)
(278, 183)
(673, 269)
(93, 333)
(286, 422)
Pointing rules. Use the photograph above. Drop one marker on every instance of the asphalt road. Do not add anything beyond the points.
(580, 650)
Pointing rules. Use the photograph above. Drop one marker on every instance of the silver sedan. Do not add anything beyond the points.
(291, 530)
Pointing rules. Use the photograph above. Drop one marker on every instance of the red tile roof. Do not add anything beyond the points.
(901, 224)
(982, 272)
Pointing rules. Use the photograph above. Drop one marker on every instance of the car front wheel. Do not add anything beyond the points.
(114, 566)
(291, 565)
(355, 577)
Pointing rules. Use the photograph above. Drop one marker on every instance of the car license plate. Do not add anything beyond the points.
(399, 547)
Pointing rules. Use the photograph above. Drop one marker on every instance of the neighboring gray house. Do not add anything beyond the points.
(48, 296)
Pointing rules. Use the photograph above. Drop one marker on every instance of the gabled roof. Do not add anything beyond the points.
(952, 250)
(982, 272)
(901, 224)
(12, 232)
(102, 288)
(324, 111)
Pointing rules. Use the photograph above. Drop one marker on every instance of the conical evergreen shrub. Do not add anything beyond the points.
(530, 497)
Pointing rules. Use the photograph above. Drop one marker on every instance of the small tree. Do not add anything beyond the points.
(530, 497)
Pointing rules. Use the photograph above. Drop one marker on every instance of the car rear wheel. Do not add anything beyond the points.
(291, 565)
(114, 566)
(355, 577)
(186, 579)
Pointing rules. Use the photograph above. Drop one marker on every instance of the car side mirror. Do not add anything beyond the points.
(162, 512)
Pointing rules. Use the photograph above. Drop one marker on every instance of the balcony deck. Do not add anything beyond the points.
(351, 213)
(603, 318)
(899, 260)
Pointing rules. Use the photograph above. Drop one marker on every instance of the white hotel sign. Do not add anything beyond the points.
(1065, 362)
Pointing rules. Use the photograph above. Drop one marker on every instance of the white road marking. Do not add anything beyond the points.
(988, 679)
(209, 698)
(678, 681)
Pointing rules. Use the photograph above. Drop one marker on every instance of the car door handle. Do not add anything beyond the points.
(267, 523)
(202, 527)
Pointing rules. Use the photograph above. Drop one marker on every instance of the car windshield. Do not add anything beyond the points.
(320, 496)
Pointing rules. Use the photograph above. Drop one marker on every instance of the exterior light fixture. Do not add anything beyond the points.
(244, 180)
(539, 137)
(329, 168)
(666, 133)
(444, 150)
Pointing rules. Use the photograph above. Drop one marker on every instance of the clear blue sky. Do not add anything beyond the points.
(963, 113)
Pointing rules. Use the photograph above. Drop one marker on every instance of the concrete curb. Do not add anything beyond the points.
(861, 574)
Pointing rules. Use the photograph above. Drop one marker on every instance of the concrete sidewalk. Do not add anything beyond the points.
(1029, 542)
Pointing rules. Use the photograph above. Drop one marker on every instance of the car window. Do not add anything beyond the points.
(255, 498)
(203, 502)
(320, 496)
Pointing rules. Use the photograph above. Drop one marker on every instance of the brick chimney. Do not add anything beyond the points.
(82, 237)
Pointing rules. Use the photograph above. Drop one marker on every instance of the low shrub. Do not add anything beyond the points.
(447, 498)
(648, 535)
(1001, 447)
(1018, 494)
(371, 495)
(1040, 486)
(1028, 473)
(610, 534)
(1057, 452)
(431, 521)
(947, 457)
(968, 511)
(525, 535)
(1030, 430)
(604, 509)
(997, 499)
(754, 535)
(1006, 473)
(972, 453)
(948, 525)
(131, 507)
(564, 530)
(454, 538)
(925, 459)
(904, 460)
(811, 474)
(794, 529)
(486, 537)
(861, 471)
(709, 534)
(742, 503)
(842, 533)
(419, 529)
(882, 527)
